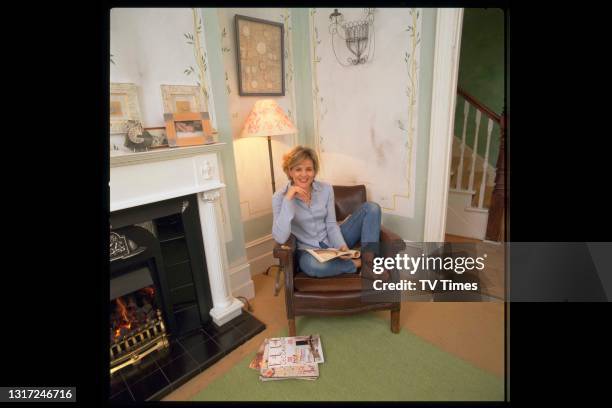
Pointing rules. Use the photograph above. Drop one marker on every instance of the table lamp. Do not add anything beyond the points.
(267, 119)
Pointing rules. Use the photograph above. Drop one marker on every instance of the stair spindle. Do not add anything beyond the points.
(466, 110)
(485, 165)
(474, 150)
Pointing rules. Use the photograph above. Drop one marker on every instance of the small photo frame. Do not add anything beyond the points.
(123, 106)
(160, 139)
(182, 99)
(188, 128)
(260, 56)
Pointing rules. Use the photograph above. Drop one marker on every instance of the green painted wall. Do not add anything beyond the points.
(235, 248)
(481, 73)
(412, 228)
(303, 69)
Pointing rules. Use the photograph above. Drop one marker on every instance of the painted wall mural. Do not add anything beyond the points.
(252, 162)
(366, 115)
(155, 46)
(199, 55)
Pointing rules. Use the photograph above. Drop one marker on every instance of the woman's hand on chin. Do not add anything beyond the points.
(296, 191)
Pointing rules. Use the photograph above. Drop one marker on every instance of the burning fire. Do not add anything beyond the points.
(130, 313)
(126, 323)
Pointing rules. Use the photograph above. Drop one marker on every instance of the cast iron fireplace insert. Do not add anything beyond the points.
(168, 271)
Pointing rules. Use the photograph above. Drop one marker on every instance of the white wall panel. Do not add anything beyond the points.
(367, 114)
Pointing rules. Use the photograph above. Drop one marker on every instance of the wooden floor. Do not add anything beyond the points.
(457, 238)
(493, 280)
(471, 331)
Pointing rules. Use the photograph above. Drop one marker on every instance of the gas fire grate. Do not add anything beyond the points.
(131, 349)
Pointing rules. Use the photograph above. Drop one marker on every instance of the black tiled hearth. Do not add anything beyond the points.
(206, 352)
(161, 373)
(151, 387)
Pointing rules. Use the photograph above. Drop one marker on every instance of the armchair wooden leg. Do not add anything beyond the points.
(277, 280)
(395, 321)
(291, 327)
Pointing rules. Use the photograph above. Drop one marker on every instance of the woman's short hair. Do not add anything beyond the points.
(298, 154)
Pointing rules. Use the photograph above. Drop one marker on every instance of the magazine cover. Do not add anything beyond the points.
(256, 363)
(290, 357)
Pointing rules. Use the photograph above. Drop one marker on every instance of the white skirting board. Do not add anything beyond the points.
(240, 281)
(463, 221)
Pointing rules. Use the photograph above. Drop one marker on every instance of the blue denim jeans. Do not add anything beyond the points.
(363, 225)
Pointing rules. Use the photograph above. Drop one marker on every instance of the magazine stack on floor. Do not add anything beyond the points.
(282, 358)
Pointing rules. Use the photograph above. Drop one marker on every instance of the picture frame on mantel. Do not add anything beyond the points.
(123, 106)
(260, 56)
(159, 137)
(182, 98)
(188, 129)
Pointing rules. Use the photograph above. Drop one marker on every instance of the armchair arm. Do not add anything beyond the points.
(285, 254)
(391, 242)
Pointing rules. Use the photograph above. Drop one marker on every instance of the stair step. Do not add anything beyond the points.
(488, 193)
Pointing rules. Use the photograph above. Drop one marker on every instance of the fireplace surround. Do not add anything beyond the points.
(178, 193)
(155, 176)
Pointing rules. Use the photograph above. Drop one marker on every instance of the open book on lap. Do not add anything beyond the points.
(327, 254)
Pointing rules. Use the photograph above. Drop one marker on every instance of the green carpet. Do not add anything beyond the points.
(364, 361)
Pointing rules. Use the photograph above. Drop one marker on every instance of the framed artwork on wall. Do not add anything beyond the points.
(260, 57)
(123, 106)
(188, 128)
(182, 98)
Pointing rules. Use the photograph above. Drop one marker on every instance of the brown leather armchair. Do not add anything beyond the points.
(337, 295)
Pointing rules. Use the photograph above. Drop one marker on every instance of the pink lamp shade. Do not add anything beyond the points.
(267, 119)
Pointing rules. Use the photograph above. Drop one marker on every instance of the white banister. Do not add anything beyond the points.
(466, 109)
(474, 150)
(485, 165)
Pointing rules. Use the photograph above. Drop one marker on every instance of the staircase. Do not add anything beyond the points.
(475, 186)
(478, 173)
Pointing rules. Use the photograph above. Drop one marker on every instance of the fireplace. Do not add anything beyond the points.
(174, 256)
(138, 309)
(168, 208)
(158, 283)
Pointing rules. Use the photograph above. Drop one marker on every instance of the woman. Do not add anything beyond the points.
(305, 208)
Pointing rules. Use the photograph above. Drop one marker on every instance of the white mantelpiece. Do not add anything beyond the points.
(148, 177)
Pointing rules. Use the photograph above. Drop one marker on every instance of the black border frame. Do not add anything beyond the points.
(241, 92)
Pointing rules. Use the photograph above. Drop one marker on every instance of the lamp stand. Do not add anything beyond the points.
(271, 166)
(280, 268)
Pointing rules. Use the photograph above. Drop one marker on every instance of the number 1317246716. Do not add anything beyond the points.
(37, 393)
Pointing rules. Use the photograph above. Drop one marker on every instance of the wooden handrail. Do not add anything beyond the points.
(479, 105)
(495, 222)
